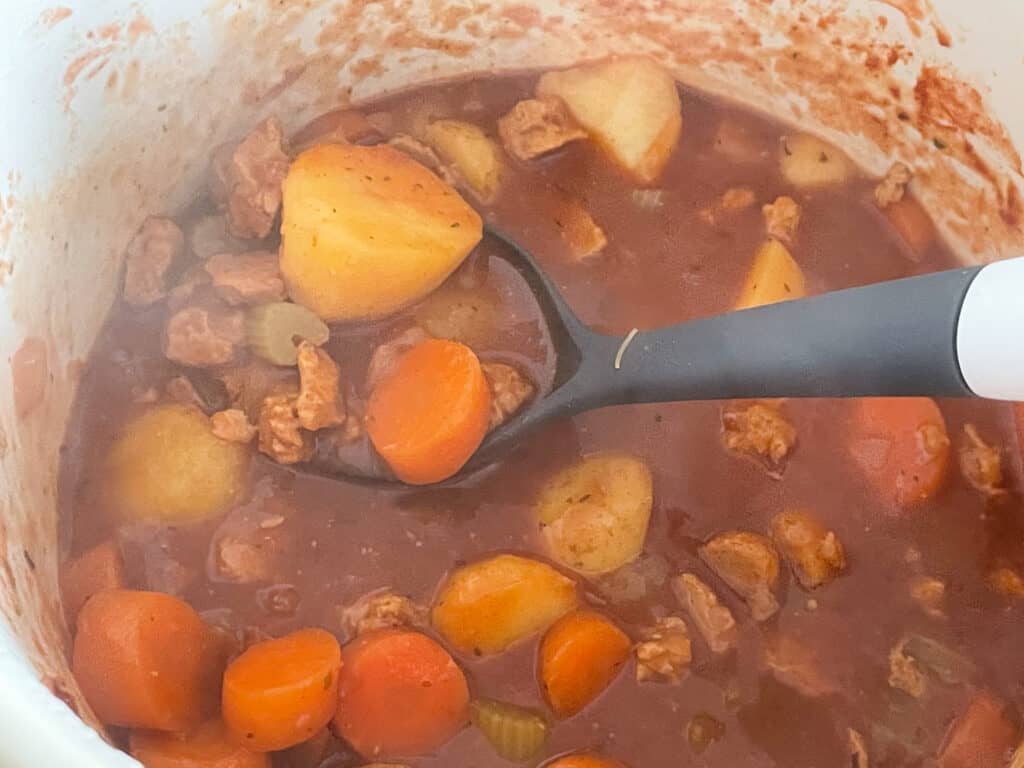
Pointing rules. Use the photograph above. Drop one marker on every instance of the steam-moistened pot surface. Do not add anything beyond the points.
(746, 584)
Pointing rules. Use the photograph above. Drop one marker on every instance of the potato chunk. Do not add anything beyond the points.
(814, 552)
(774, 276)
(630, 106)
(166, 465)
(367, 231)
(807, 162)
(489, 605)
(749, 564)
(473, 153)
(469, 315)
(594, 514)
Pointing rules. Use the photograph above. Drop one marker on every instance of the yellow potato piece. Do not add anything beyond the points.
(489, 605)
(807, 162)
(475, 156)
(775, 276)
(367, 231)
(594, 514)
(166, 465)
(630, 106)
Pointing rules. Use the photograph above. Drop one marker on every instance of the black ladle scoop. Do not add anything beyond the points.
(946, 334)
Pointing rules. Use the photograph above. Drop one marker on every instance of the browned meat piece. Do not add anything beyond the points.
(813, 552)
(386, 356)
(320, 404)
(664, 652)
(243, 561)
(578, 229)
(281, 435)
(714, 621)
(782, 218)
(537, 126)
(250, 182)
(858, 749)
(760, 431)
(246, 278)
(181, 390)
(192, 283)
(203, 336)
(209, 236)
(233, 425)
(1006, 581)
(248, 385)
(982, 737)
(981, 463)
(930, 594)
(509, 391)
(893, 187)
(797, 666)
(905, 673)
(150, 255)
(737, 199)
(380, 609)
(749, 564)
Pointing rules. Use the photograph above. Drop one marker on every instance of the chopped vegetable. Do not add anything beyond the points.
(474, 154)
(773, 277)
(902, 446)
(516, 733)
(400, 694)
(749, 564)
(579, 657)
(431, 414)
(166, 465)
(577, 228)
(468, 315)
(272, 331)
(281, 692)
(146, 660)
(702, 731)
(814, 553)
(594, 514)
(630, 106)
(982, 737)
(367, 231)
(487, 606)
(101, 568)
(808, 162)
(209, 746)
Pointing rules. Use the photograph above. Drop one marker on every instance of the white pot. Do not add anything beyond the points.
(108, 109)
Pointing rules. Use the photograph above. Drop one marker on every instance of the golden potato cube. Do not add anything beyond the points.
(775, 276)
(167, 466)
(489, 605)
(475, 156)
(807, 162)
(594, 514)
(367, 231)
(630, 106)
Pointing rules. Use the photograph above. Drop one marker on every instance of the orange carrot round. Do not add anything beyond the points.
(401, 695)
(579, 657)
(209, 746)
(428, 417)
(901, 445)
(584, 760)
(281, 692)
(147, 660)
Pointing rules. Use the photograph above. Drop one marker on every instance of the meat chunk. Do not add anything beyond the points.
(858, 749)
(248, 385)
(578, 229)
(981, 463)
(905, 673)
(386, 356)
(191, 284)
(760, 431)
(249, 180)
(509, 391)
(930, 594)
(242, 561)
(381, 609)
(535, 127)
(150, 255)
(233, 425)
(320, 404)
(813, 552)
(797, 666)
(664, 652)
(246, 278)
(782, 218)
(749, 564)
(281, 435)
(714, 621)
(982, 737)
(209, 236)
(893, 187)
(204, 336)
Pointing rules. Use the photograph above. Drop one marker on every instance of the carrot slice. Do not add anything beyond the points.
(401, 695)
(209, 746)
(98, 569)
(431, 413)
(579, 657)
(146, 660)
(902, 446)
(585, 760)
(281, 692)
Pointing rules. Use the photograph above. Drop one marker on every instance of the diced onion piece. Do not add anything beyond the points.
(272, 331)
(516, 733)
